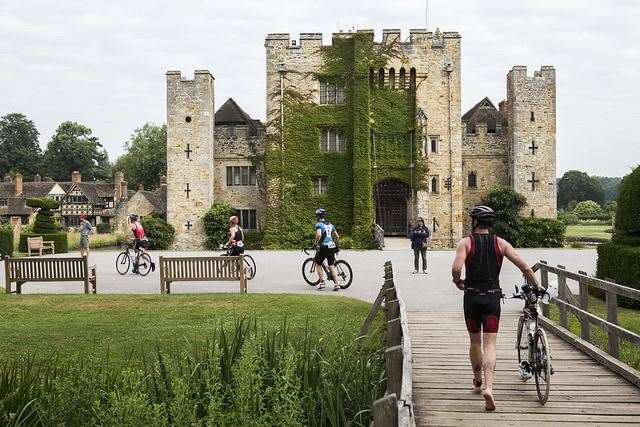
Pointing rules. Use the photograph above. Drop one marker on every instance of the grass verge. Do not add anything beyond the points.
(586, 232)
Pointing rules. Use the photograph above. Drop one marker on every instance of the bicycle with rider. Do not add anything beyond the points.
(325, 241)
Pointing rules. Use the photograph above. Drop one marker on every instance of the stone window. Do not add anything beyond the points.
(320, 185)
(412, 79)
(435, 187)
(402, 84)
(4, 202)
(232, 131)
(381, 78)
(433, 143)
(331, 93)
(332, 140)
(472, 180)
(187, 119)
(247, 218)
(78, 199)
(392, 78)
(533, 116)
(241, 176)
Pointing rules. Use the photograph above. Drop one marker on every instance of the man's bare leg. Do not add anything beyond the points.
(475, 355)
(320, 272)
(489, 366)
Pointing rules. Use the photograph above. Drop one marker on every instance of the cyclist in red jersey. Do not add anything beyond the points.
(481, 254)
(140, 238)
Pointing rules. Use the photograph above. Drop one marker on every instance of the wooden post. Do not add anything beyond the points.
(394, 333)
(585, 325)
(390, 294)
(162, 274)
(612, 316)
(85, 263)
(243, 276)
(544, 282)
(392, 309)
(7, 274)
(562, 295)
(388, 283)
(393, 361)
(385, 411)
(372, 313)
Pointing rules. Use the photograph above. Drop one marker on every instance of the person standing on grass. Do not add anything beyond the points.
(481, 255)
(86, 229)
(420, 235)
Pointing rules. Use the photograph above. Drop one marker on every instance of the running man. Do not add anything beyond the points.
(481, 254)
(326, 237)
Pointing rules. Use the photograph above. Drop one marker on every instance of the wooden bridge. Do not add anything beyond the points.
(589, 386)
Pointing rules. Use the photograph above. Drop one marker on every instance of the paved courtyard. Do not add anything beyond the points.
(280, 271)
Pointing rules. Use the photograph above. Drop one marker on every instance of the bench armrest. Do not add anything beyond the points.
(92, 271)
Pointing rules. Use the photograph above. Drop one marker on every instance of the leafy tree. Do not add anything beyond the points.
(628, 210)
(19, 148)
(507, 203)
(587, 209)
(73, 147)
(578, 186)
(215, 224)
(610, 186)
(161, 234)
(146, 156)
(610, 207)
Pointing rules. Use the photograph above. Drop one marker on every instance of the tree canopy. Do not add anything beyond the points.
(145, 157)
(628, 209)
(576, 186)
(19, 148)
(74, 148)
(610, 185)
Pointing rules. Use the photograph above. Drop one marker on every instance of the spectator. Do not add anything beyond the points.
(420, 237)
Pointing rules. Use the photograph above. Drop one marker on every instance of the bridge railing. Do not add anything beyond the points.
(578, 305)
(396, 407)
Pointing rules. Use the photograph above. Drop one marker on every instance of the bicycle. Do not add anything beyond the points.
(343, 271)
(249, 263)
(534, 354)
(139, 259)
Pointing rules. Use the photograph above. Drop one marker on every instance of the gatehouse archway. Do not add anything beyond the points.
(391, 197)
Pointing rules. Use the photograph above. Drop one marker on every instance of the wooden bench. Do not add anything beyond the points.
(23, 270)
(200, 269)
(37, 244)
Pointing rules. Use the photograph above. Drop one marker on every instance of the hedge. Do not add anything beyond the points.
(628, 209)
(59, 240)
(621, 263)
(160, 233)
(6, 240)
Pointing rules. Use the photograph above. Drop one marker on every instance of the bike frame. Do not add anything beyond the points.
(530, 314)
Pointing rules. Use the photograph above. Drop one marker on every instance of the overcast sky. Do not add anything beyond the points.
(102, 63)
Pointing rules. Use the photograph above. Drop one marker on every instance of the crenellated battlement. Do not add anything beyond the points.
(519, 72)
(416, 37)
(176, 75)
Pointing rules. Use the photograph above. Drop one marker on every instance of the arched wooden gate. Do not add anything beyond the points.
(391, 198)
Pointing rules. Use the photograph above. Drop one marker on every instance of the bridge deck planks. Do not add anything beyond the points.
(582, 391)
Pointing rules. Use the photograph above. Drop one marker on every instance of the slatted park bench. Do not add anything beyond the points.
(23, 270)
(201, 269)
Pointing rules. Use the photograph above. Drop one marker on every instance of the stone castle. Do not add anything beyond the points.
(224, 155)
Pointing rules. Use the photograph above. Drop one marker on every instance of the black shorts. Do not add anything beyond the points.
(482, 312)
(326, 253)
(142, 244)
(236, 250)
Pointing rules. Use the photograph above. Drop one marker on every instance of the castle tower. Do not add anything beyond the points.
(190, 161)
(531, 113)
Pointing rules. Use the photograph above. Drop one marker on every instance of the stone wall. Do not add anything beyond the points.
(190, 161)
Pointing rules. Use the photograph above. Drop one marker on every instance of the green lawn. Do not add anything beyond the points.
(586, 232)
(68, 324)
(627, 318)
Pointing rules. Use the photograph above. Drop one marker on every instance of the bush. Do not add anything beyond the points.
(346, 242)
(628, 210)
(587, 209)
(507, 203)
(6, 240)
(541, 233)
(159, 232)
(568, 218)
(621, 263)
(46, 203)
(103, 228)
(59, 239)
(253, 239)
(215, 224)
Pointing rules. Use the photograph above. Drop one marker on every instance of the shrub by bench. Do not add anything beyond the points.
(38, 244)
(200, 269)
(23, 270)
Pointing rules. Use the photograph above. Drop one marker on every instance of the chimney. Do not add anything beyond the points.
(124, 194)
(48, 179)
(37, 178)
(76, 177)
(141, 187)
(118, 177)
(7, 178)
(18, 181)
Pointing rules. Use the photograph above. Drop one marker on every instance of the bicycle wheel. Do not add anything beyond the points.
(309, 272)
(345, 274)
(522, 346)
(542, 365)
(144, 264)
(249, 267)
(123, 262)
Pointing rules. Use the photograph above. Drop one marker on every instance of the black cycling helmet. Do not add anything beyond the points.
(483, 215)
(320, 213)
(133, 217)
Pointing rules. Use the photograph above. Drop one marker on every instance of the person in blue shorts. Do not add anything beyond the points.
(326, 237)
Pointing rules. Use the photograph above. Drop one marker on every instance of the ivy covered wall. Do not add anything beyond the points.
(293, 156)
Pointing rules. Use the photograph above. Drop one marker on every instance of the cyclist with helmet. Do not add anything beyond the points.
(326, 237)
(236, 237)
(141, 241)
(481, 254)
